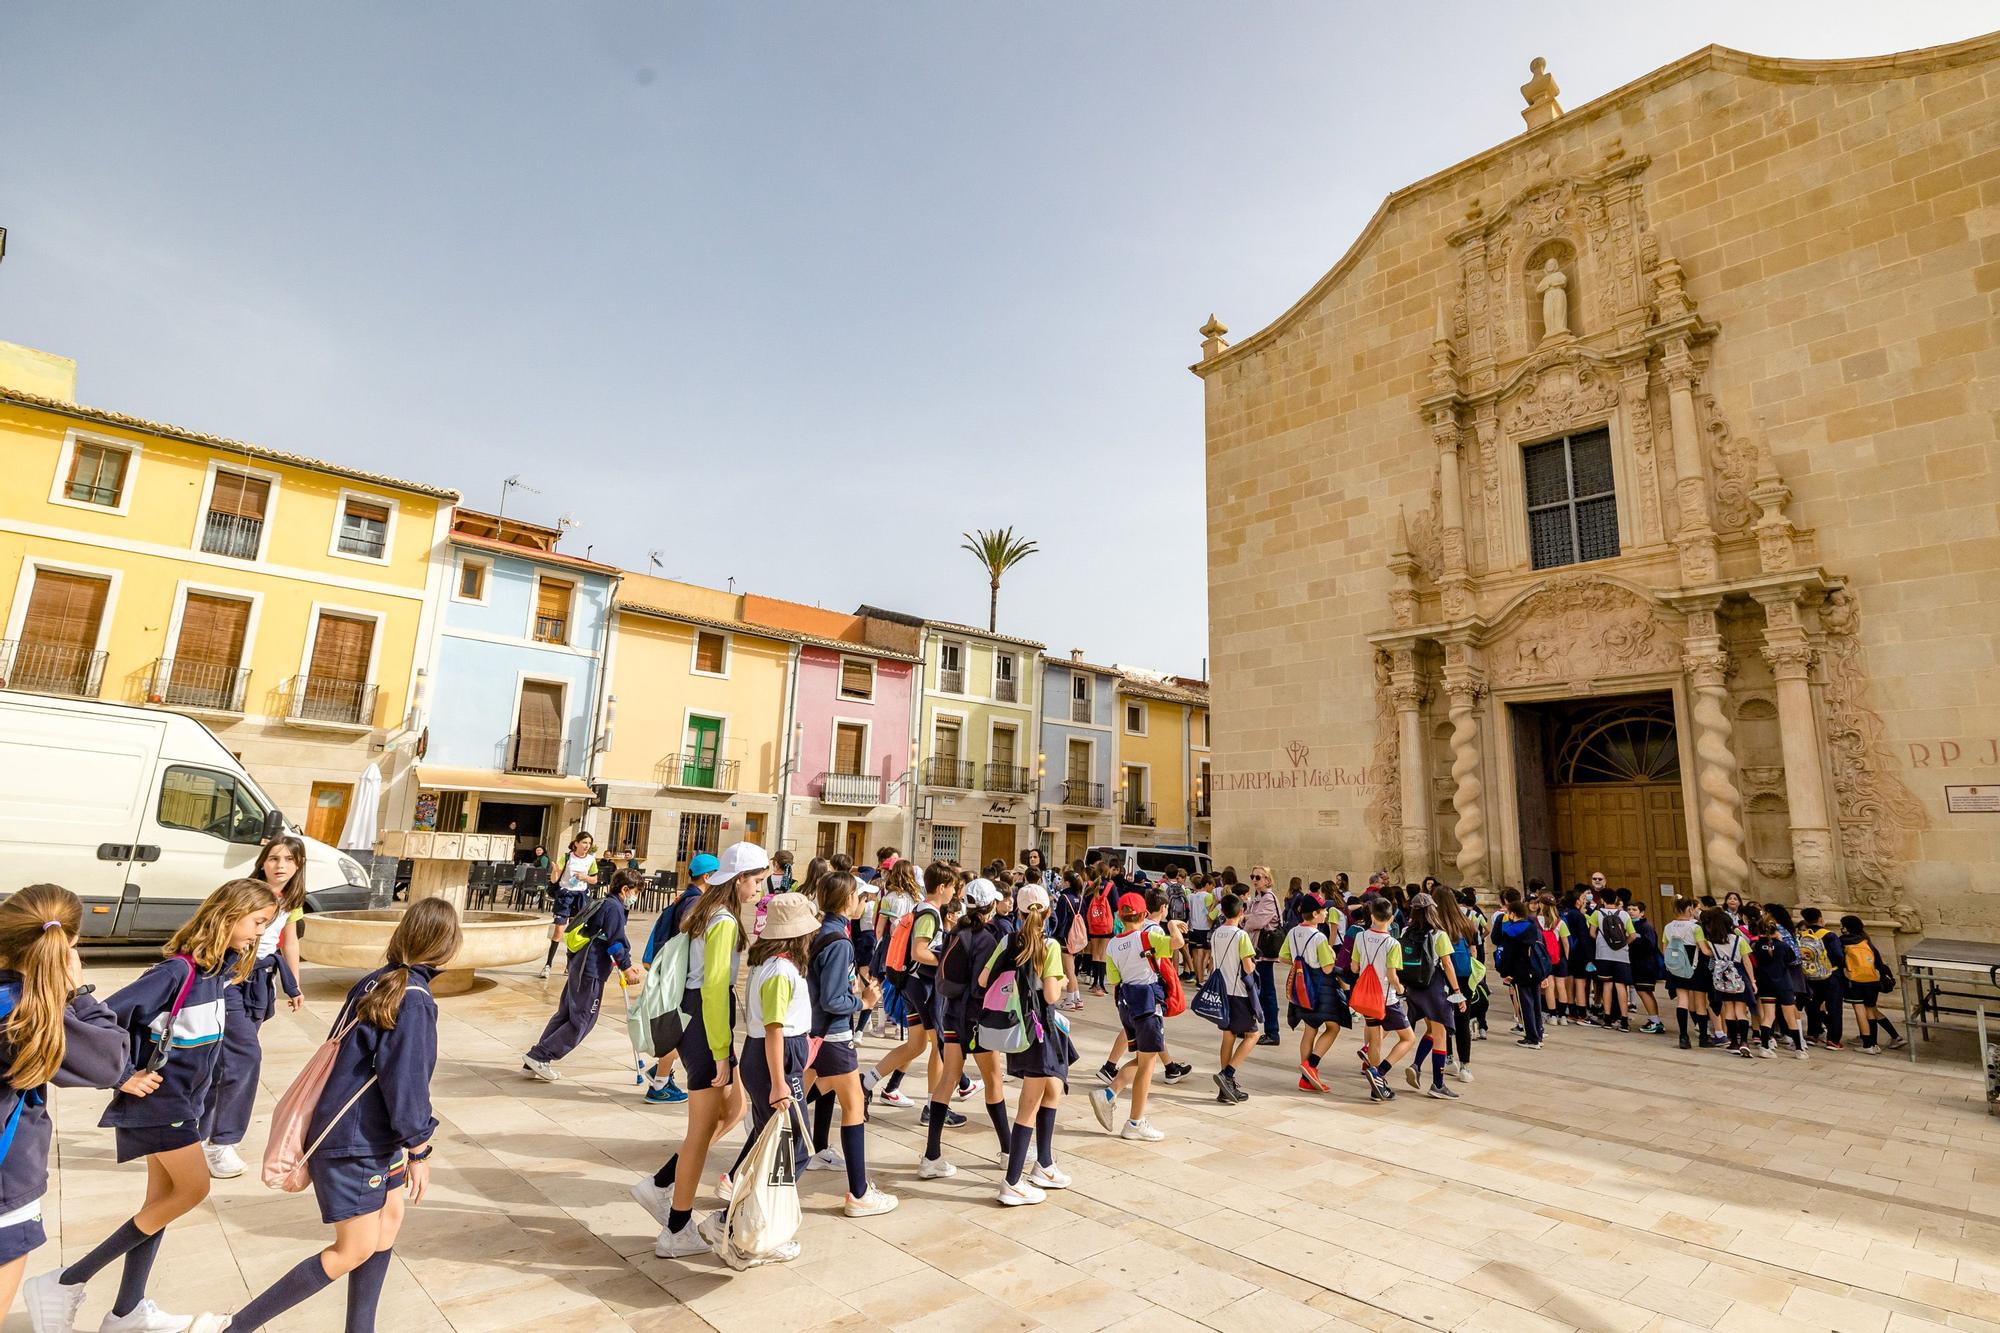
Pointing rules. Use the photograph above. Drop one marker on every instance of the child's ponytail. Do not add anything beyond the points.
(427, 936)
(38, 927)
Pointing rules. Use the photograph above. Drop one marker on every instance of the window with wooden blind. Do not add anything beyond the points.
(857, 678)
(552, 608)
(205, 670)
(850, 742)
(1078, 768)
(944, 741)
(1003, 745)
(538, 733)
(711, 653)
(237, 507)
(336, 686)
(363, 529)
(57, 652)
(97, 474)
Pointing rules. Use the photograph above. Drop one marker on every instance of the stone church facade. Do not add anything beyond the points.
(1628, 498)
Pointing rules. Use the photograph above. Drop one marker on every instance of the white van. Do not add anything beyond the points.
(140, 813)
(1153, 860)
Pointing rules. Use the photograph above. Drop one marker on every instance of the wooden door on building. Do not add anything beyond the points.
(826, 839)
(1618, 807)
(857, 840)
(998, 840)
(1076, 841)
(326, 811)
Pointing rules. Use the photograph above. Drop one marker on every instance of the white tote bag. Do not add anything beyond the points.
(761, 1225)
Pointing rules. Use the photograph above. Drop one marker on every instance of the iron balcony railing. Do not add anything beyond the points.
(552, 629)
(696, 771)
(232, 535)
(950, 681)
(1006, 778)
(850, 788)
(359, 541)
(532, 752)
(1202, 808)
(1085, 795)
(1006, 691)
(1137, 812)
(332, 699)
(1079, 710)
(948, 773)
(179, 683)
(48, 668)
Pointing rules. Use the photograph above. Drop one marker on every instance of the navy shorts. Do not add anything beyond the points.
(1242, 1016)
(21, 1240)
(1618, 974)
(356, 1186)
(919, 1000)
(836, 1058)
(697, 1061)
(1394, 1018)
(1198, 939)
(1140, 1017)
(136, 1141)
(864, 950)
(1429, 1002)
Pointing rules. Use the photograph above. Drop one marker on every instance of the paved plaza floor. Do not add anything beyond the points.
(1604, 1183)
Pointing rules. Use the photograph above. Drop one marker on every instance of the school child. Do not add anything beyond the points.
(1065, 915)
(1778, 982)
(1687, 978)
(839, 998)
(1043, 1067)
(901, 888)
(232, 1093)
(1611, 941)
(1580, 951)
(1520, 955)
(1820, 959)
(1463, 931)
(1732, 980)
(1430, 991)
(1236, 955)
(173, 1017)
(1868, 978)
(661, 1089)
(1139, 953)
(378, 1150)
(1646, 964)
(1555, 939)
(973, 941)
(1100, 923)
(570, 881)
(1313, 998)
(1377, 948)
(53, 1032)
(917, 981)
(714, 927)
(1201, 926)
(604, 953)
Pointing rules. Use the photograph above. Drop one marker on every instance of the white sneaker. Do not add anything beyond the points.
(146, 1317)
(895, 1097)
(544, 976)
(934, 1168)
(1103, 1102)
(1013, 1196)
(653, 1199)
(1461, 1073)
(713, 1229)
(967, 1091)
(1139, 1129)
(683, 1244)
(1050, 1177)
(725, 1187)
(224, 1163)
(1799, 1053)
(872, 1204)
(1767, 1052)
(541, 1069)
(210, 1323)
(826, 1159)
(51, 1306)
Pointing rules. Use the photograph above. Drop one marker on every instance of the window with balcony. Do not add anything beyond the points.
(552, 610)
(537, 743)
(363, 530)
(1134, 805)
(57, 652)
(238, 505)
(857, 678)
(951, 668)
(945, 768)
(336, 688)
(205, 667)
(1202, 807)
(1003, 773)
(849, 782)
(97, 474)
(1006, 687)
(711, 653)
(1079, 697)
(1572, 502)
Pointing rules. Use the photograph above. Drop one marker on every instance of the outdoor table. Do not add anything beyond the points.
(1955, 979)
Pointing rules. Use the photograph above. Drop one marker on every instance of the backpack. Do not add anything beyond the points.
(1813, 956)
(896, 962)
(163, 1041)
(1005, 1023)
(954, 974)
(654, 1021)
(1097, 914)
(1211, 1001)
(1680, 964)
(1419, 958)
(1612, 926)
(579, 935)
(1343, 952)
(1860, 958)
(1177, 900)
(1078, 939)
(1521, 956)
(287, 1156)
(761, 1222)
(10, 995)
(1368, 998)
(1726, 973)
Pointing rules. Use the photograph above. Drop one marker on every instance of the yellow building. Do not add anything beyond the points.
(282, 600)
(698, 707)
(1163, 770)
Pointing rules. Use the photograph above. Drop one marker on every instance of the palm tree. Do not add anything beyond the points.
(999, 552)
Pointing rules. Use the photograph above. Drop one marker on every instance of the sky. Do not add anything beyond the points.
(792, 294)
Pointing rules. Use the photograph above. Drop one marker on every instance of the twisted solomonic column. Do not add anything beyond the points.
(1715, 773)
(1468, 792)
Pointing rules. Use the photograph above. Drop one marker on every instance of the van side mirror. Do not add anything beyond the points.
(274, 824)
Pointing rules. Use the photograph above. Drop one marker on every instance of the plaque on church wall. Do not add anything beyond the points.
(1972, 800)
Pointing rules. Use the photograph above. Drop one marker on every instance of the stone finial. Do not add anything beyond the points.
(1402, 532)
(1211, 337)
(1442, 334)
(1540, 92)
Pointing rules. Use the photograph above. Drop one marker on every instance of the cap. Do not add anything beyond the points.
(702, 865)
(1132, 902)
(981, 893)
(1031, 895)
(788, 916)
(738, 858)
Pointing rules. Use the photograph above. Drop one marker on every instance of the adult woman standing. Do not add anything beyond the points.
(1038, 870)
(232, 1095)
(1261, 916)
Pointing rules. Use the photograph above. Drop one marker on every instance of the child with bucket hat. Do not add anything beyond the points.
(776, 1044)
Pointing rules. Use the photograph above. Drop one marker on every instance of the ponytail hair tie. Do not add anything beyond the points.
(50, 925)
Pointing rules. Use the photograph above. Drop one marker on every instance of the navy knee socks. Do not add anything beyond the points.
(364, 1291)
(306, 1279)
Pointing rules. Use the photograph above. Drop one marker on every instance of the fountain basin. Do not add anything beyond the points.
(491, 939)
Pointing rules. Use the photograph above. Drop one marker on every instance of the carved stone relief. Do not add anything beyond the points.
(1427, 534)
(1579, 629)
(1385, 802)
(1877, 813)
(1735, 469)
(1558, 397)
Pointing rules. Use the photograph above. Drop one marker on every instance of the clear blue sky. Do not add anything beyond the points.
(794, 292)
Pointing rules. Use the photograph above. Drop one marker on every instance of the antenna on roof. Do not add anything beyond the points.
(563, 525)
(653, 560)
(512, 483)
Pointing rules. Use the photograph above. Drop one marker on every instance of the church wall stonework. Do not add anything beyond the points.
(1781, 285)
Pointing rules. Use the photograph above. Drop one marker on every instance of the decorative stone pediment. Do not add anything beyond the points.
(1576, 629)
(1553, 395)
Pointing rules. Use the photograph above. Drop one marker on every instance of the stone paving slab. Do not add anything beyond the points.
(1604, 1183)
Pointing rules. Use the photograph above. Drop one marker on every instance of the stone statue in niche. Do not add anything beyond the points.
(1554, 291)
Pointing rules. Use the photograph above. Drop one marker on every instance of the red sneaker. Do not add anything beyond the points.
(1310, 1080)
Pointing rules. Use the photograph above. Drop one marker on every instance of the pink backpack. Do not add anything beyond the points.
(287, 1158)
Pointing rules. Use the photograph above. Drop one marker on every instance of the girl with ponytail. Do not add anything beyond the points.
(378, 1149)
(51, 1033)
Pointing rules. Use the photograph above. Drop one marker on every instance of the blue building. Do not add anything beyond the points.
(515, 685)
(1079, 705)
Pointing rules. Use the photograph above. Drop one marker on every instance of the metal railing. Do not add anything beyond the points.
(699, 772)
(1006, 691)
(951, 682)
(1136, 812)
(1006, 778)
(332, 699)
(1086, 795)
(850, 788)
(232, 535)
(179, 683)
(531, 752)
(1079, 710)
(552, 629)
(48, 668)
(357, 541)
(948, 773)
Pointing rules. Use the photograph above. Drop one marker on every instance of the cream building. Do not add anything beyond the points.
(1628, 498)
